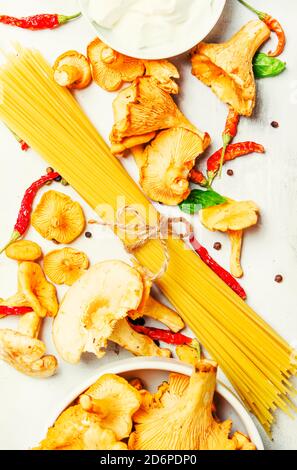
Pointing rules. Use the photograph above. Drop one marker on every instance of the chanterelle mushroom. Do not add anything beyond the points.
(24, 250)
(228, 69)
(162, 71)
(166, 163)
(76, 429)
(93, 305)
(184, 422)
(38, 292)
(65, 266)
(58, 218)
(110, 69)
(23, 351)
(163, 314)
(114, 401)
(232, 217)
(139, 345)
(72, 70)
(243, 442)
(140, 111)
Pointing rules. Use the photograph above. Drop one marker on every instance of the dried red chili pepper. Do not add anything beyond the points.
(219, 270)
(23, 219)
(14, 310)
(23, 144)
(229, 133)
(38, 22)
(233, 151)
(274, 25)
(166, 336)
(198, 177)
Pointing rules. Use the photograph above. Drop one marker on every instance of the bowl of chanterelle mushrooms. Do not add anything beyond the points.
(151, 404)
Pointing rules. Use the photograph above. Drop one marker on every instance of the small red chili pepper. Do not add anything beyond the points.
(219, 270)
(23, 144)
(166, 336)
(232, 152)
(14, 310)
(229, 133)
(198, 177)
(38, 22)
(23, 219)
(274, 25)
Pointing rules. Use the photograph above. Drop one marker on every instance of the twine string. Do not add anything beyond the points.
(142, 232)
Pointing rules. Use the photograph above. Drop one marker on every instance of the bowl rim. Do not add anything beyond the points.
(160, 364)
(189, 44)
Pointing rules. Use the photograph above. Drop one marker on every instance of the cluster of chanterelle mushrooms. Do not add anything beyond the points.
(165, 146)
(98, 307)
(21, 348)
(116, 415)
(148, 122)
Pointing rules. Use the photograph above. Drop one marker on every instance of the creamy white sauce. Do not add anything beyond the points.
(148, 23)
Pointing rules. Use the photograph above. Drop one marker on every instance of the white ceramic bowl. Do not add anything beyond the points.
(153, 371)
(171, 49)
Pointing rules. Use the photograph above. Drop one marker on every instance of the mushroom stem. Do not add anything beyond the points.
(29, 325)
(163, 314)
(67, 75)
(93, 405)
(139, 345)
(236, 238)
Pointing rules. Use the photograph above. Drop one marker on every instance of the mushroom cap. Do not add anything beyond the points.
(163, 71)
(77, 66)
(228, 68)
(40, 294)
(167, 162)
(232, 215)
(93, 305)
(144, 108)
(243, 442)
(118, 149)
(65, 266)
(76, 429)
(119, 401)
(58, 218)
(24, 250)
(110, 69)
(184, 420)
(26, 354)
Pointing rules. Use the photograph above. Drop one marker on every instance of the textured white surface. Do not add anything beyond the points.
(270, 180)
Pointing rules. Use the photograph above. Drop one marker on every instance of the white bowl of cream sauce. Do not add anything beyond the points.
(152, 29)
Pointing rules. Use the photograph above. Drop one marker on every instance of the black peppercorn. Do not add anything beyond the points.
(279, 278)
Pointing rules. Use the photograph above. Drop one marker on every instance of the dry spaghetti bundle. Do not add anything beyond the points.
(257, 361)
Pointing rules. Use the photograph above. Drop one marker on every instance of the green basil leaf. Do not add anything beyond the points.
(199, 199)
(265, 66)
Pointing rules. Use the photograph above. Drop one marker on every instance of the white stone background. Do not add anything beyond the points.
(270, 180)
